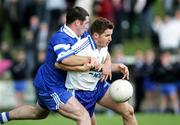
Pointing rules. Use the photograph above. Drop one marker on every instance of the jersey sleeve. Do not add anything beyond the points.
(62, 47)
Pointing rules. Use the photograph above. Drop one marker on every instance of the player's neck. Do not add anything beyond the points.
(74, 29)
(99, 48)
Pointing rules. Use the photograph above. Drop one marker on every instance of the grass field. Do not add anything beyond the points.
(143, 119)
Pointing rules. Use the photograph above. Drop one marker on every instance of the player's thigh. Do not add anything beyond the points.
(72, 109)
(107, 102)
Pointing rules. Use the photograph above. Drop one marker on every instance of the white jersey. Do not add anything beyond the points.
(86, 80)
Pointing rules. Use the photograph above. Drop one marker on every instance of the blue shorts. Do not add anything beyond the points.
(20, 85)
(50, 94)
(89, 98)
(53, 98)
(168, 89)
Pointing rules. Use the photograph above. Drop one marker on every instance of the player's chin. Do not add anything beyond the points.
(105, 45)
(102, 45)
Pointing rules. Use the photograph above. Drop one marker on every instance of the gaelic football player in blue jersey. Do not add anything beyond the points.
(49, 81)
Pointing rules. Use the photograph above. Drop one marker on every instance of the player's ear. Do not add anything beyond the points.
(96, 35)
(77, 22)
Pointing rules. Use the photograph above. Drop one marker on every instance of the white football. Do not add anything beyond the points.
(121, 90)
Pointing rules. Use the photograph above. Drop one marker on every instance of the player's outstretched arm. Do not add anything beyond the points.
(122, 68)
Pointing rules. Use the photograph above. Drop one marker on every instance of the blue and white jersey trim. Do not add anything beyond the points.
(106, 84)
(61, 46)
(93, 45)
(80, 48)
(61, 50)
(57, 100)
(65, 54)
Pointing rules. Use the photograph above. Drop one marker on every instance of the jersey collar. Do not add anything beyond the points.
(92, 42)
(69, 32)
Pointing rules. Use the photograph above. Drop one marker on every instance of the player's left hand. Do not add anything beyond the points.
(124, 69)
(106, 71)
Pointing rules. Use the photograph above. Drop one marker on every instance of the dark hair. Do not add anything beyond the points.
(76, 13)
(100, 25)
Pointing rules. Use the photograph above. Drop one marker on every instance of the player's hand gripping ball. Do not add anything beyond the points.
(121, 90)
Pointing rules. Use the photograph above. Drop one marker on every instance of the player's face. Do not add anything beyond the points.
(83, 26)
(104, 39)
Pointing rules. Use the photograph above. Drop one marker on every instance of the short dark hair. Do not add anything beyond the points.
(100, 25)
(76, 13)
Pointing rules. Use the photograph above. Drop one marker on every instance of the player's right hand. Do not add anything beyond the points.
(86, 67)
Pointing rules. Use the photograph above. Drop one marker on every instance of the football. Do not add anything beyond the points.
(121, 90)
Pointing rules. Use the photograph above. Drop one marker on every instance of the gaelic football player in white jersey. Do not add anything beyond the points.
(90, 87)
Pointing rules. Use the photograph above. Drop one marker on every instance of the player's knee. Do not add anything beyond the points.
(128, 112)
(131, 110)
(82, 115)
(40, 115)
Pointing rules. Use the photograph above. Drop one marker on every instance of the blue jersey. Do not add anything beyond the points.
(62, 45)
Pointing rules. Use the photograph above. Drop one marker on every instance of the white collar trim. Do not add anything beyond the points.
(69, 32)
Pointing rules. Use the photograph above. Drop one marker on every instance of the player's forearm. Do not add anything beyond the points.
(75, 60)
(107, 62)
(70, 68)
(122, 68)
(108, 59)
(117, 67)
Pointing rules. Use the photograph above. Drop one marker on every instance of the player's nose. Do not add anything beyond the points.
(110, 39)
